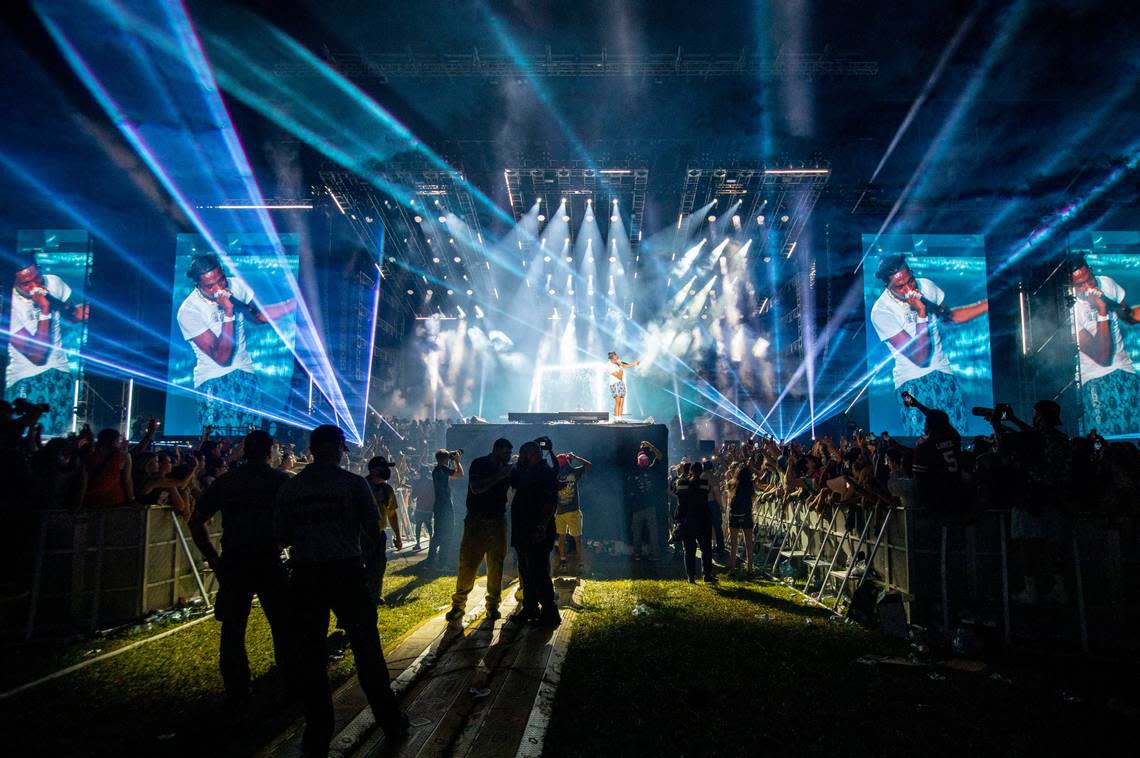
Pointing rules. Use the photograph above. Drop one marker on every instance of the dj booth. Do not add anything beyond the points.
(611, 448)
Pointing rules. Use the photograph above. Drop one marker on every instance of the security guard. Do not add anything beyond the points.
(320, 517)
(250, 563)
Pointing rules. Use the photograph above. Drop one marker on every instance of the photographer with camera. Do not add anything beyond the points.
(484, 529)
(532, 530)
(448, 466)
(568, 517)
(643, 506)
(1042, 456)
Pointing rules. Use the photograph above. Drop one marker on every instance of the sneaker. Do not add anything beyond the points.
(521, 616)
(397, 731)
(455, 614)
(692, 580)
(548, 620)
(710, 579)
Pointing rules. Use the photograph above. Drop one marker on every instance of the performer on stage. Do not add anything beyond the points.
(212, 319)
(908, 317)
(37, 364)
(1110, 386)
(617, 383)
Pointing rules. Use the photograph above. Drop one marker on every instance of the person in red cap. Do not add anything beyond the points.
(568, 515)
(640, 488)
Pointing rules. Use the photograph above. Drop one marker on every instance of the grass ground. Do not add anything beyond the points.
(167, 697)
(662, 667)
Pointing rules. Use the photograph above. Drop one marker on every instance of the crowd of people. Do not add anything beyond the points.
(1042, 477)
(307, 535)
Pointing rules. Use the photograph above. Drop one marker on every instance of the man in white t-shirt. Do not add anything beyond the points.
(37, 363)
(1110, 387)
(212, 319)
(908, 317)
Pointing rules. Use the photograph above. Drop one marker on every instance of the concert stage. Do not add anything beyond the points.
(612, 448)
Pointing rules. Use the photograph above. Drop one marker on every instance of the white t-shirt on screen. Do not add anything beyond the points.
(197, 314)
(890, 316)
(26, 318)
(1085, 316)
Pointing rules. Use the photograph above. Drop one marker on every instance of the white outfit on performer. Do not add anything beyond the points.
(890, 316)
(1086, 317)
(197, 314)
(26, 317)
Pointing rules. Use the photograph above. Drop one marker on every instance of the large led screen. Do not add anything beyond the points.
(47, 322)
(231, 356)
(1104, 271)
(928, 329)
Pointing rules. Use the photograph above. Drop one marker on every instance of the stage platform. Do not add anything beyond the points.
(612, 448)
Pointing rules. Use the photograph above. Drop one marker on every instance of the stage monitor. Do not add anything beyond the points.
(928, 330)
(232, 365)
(1104, 273)
(46, 322)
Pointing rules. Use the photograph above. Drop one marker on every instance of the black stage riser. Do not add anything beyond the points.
(611, 448)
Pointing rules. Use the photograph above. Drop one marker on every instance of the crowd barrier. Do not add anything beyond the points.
(944, 574)
(97, 569)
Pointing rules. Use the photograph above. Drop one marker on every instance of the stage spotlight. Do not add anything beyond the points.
(551, 291)
(368, 219)
(470, 292)
(411, 292)
(784, 218)
(564, 201)
(451, 240)
(435, 260)
(569, 259)
(565, 218)
(615, 201)
(736, 222)
(546, 258)
(541, 217)
(760, 220)
(569, 292)
(712, 219)
(457, 259)
(589, 201)
(391, 259)
(451, 292)
(418, 219)
(613, 259)
(443, 219)
(478, 312)
(538, 201)
(614, 218)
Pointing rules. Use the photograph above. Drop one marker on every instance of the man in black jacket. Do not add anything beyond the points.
(250, 563)
(532, 530)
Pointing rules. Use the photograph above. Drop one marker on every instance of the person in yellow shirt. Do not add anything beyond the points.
(376, 553)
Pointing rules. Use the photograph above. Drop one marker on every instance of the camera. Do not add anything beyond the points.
(544, 443)
(454, 453)
(1001, 411)
(21, 405)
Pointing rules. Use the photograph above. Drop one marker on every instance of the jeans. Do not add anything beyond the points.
(440, 548)
(483, 537)
(420, 521)
(240, 580)
(647, 518)
(338, 586)
(534, 575)
(692, 539)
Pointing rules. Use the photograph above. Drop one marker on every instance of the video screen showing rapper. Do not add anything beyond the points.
(47, 322)
(1104, 271)
(232, 332)
(928, 329)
